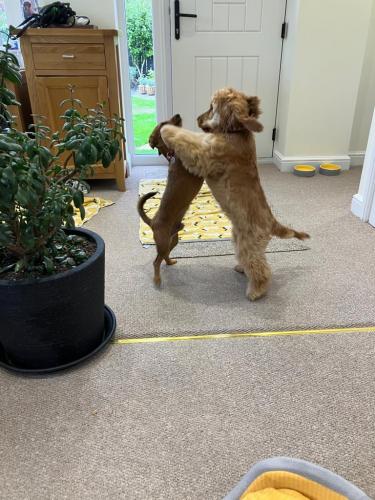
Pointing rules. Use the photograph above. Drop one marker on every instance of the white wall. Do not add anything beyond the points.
(13, 11)
(366, 95)
(321, 70)
(101, 13)
(287, 76)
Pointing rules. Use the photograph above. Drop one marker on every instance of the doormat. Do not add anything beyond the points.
(207, 231)
(204, 221)
(222, 248)
(92, 207)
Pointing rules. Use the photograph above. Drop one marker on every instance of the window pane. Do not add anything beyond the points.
(142, 75)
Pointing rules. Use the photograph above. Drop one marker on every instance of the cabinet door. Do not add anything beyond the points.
(51, 90)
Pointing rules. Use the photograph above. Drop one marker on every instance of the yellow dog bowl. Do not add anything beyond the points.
(304, 170)
(329, 169)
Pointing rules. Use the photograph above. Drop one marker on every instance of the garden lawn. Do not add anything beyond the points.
(144, 120)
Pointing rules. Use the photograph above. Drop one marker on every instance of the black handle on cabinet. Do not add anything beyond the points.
(177, 15)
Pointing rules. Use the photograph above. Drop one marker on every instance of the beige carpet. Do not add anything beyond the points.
(185, 421)
(330, 285)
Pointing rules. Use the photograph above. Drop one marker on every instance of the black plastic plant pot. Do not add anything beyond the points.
(56, 322)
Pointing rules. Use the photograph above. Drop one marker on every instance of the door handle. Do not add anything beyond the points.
(177, 15)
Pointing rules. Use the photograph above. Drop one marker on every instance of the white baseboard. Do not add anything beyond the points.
(358, 206)
(286, 163)
(265, 161)
(357, 158)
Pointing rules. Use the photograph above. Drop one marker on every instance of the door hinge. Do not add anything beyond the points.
(274, 132)
(284, 30)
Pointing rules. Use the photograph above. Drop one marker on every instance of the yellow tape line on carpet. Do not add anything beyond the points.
(236, 335)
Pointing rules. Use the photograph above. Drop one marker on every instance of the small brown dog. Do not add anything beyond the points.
(226, 157)
(181, 189)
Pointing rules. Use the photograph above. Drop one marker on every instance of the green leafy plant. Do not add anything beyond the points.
(151, 74)
(37, 197)
(142, 80)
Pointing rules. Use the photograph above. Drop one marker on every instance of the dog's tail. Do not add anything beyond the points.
(140, 207)
(284, 232)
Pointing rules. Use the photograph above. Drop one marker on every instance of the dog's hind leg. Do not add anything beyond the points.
(173, 243)
(258, 272)
(238, 267)
(162, 240)
(157, 264)
(253, 261)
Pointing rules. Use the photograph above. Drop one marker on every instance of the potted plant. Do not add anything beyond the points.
(142, 85)
(150, 85)
(133, 77)
(52, 311)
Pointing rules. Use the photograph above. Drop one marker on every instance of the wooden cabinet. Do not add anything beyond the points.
(56, 58)
(22, 114)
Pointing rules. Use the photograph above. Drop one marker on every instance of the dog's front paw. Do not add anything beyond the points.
(168, 133)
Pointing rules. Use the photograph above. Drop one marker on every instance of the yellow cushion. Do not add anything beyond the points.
(281, 485)
(273, 494)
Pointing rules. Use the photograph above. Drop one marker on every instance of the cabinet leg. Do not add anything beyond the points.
(120, 174)
(120, 181)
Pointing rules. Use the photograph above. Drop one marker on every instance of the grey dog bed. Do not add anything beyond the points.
(305, 469)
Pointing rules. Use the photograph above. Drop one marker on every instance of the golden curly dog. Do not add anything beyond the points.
(226, 157)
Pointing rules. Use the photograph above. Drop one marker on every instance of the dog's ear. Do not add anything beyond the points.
(152, 141)
(176, 120)
(252, 124)
(240, 118)
(254, 106)
(250, 121)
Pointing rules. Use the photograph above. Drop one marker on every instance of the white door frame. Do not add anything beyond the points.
(363, 201)
(163, 76)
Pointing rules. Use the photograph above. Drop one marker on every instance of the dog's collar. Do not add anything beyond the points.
(238, 131)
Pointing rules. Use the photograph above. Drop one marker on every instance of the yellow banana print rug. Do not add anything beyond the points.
(204, 221)
(92, 207)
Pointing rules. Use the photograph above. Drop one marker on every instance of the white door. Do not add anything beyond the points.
(231, 43)
(372, 213)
